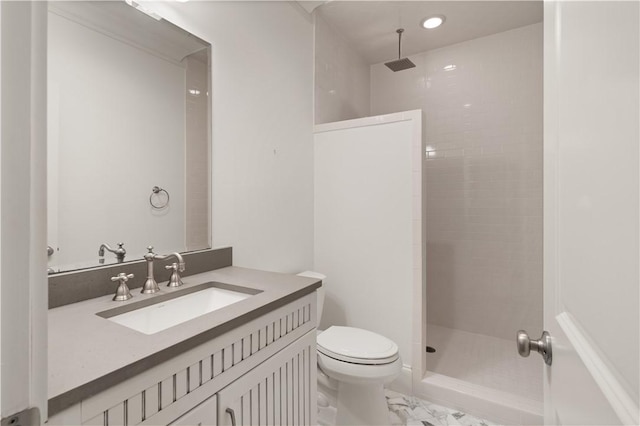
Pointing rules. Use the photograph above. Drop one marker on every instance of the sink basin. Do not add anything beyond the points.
(167, 310)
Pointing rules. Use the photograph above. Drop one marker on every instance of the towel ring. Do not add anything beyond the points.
(157, 190)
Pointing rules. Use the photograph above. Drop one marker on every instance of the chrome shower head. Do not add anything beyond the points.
(401, 63)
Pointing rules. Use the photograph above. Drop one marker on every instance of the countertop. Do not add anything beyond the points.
(88, 353)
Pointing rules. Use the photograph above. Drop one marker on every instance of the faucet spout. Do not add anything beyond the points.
(119, 252)
(178, 256)
(150, 285)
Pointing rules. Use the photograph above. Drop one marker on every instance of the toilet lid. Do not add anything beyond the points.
(357, 346)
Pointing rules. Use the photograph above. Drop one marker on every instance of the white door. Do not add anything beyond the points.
(591, 227)
(23, 259)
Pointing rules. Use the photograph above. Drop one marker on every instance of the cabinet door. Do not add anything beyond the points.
(280, 391)
(204, 414)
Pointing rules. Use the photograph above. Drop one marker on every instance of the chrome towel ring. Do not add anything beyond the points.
(158, 205)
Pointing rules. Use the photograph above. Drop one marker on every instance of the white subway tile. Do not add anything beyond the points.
(483, 176)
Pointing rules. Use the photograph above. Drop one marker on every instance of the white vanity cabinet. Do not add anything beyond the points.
(261, 373)
(278, 392)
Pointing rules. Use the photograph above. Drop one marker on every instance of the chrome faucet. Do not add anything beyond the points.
(150, 285)
(119, 252)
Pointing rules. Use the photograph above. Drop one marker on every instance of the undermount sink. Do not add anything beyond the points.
(167, 310)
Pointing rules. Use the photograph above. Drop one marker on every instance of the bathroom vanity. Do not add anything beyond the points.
(251, 362)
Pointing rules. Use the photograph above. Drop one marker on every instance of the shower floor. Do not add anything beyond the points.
(485, 361)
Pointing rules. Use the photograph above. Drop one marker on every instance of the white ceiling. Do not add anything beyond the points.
(370, 26)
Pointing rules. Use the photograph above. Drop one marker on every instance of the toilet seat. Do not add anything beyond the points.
(360, 374)
(357, 346)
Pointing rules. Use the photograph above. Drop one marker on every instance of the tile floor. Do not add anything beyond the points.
(412, 411)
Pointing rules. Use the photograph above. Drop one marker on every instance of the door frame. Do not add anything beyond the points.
(23, 211)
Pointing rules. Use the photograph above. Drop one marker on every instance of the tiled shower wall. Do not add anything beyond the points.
(482, 103)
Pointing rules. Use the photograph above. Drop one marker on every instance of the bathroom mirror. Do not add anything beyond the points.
(128, 134)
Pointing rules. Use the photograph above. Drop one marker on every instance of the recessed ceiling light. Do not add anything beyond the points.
(433, 22)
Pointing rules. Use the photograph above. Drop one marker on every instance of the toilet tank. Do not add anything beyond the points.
(320, 291)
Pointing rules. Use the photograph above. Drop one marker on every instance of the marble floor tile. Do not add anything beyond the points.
(412, 411)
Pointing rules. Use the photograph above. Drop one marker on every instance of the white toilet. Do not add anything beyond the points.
(358, 364)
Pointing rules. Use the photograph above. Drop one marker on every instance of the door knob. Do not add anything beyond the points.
(542, 345)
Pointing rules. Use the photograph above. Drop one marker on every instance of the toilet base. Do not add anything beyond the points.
(361, 405)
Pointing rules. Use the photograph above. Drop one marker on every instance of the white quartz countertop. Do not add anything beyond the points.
(88, 353)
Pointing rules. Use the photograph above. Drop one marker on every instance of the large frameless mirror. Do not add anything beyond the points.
(128, 134)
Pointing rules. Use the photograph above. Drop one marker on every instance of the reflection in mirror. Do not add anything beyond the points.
(128, 135)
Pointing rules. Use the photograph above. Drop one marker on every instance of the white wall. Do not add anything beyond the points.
(368, 223)
(117, 128)
(483, 126)
(262, 67)
(342, 76)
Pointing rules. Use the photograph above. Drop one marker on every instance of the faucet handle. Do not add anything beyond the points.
(122, 293)
(175, 280)
(122, 277)
(120, 252)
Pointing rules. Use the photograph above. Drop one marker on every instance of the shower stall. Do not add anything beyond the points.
(481, 103)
